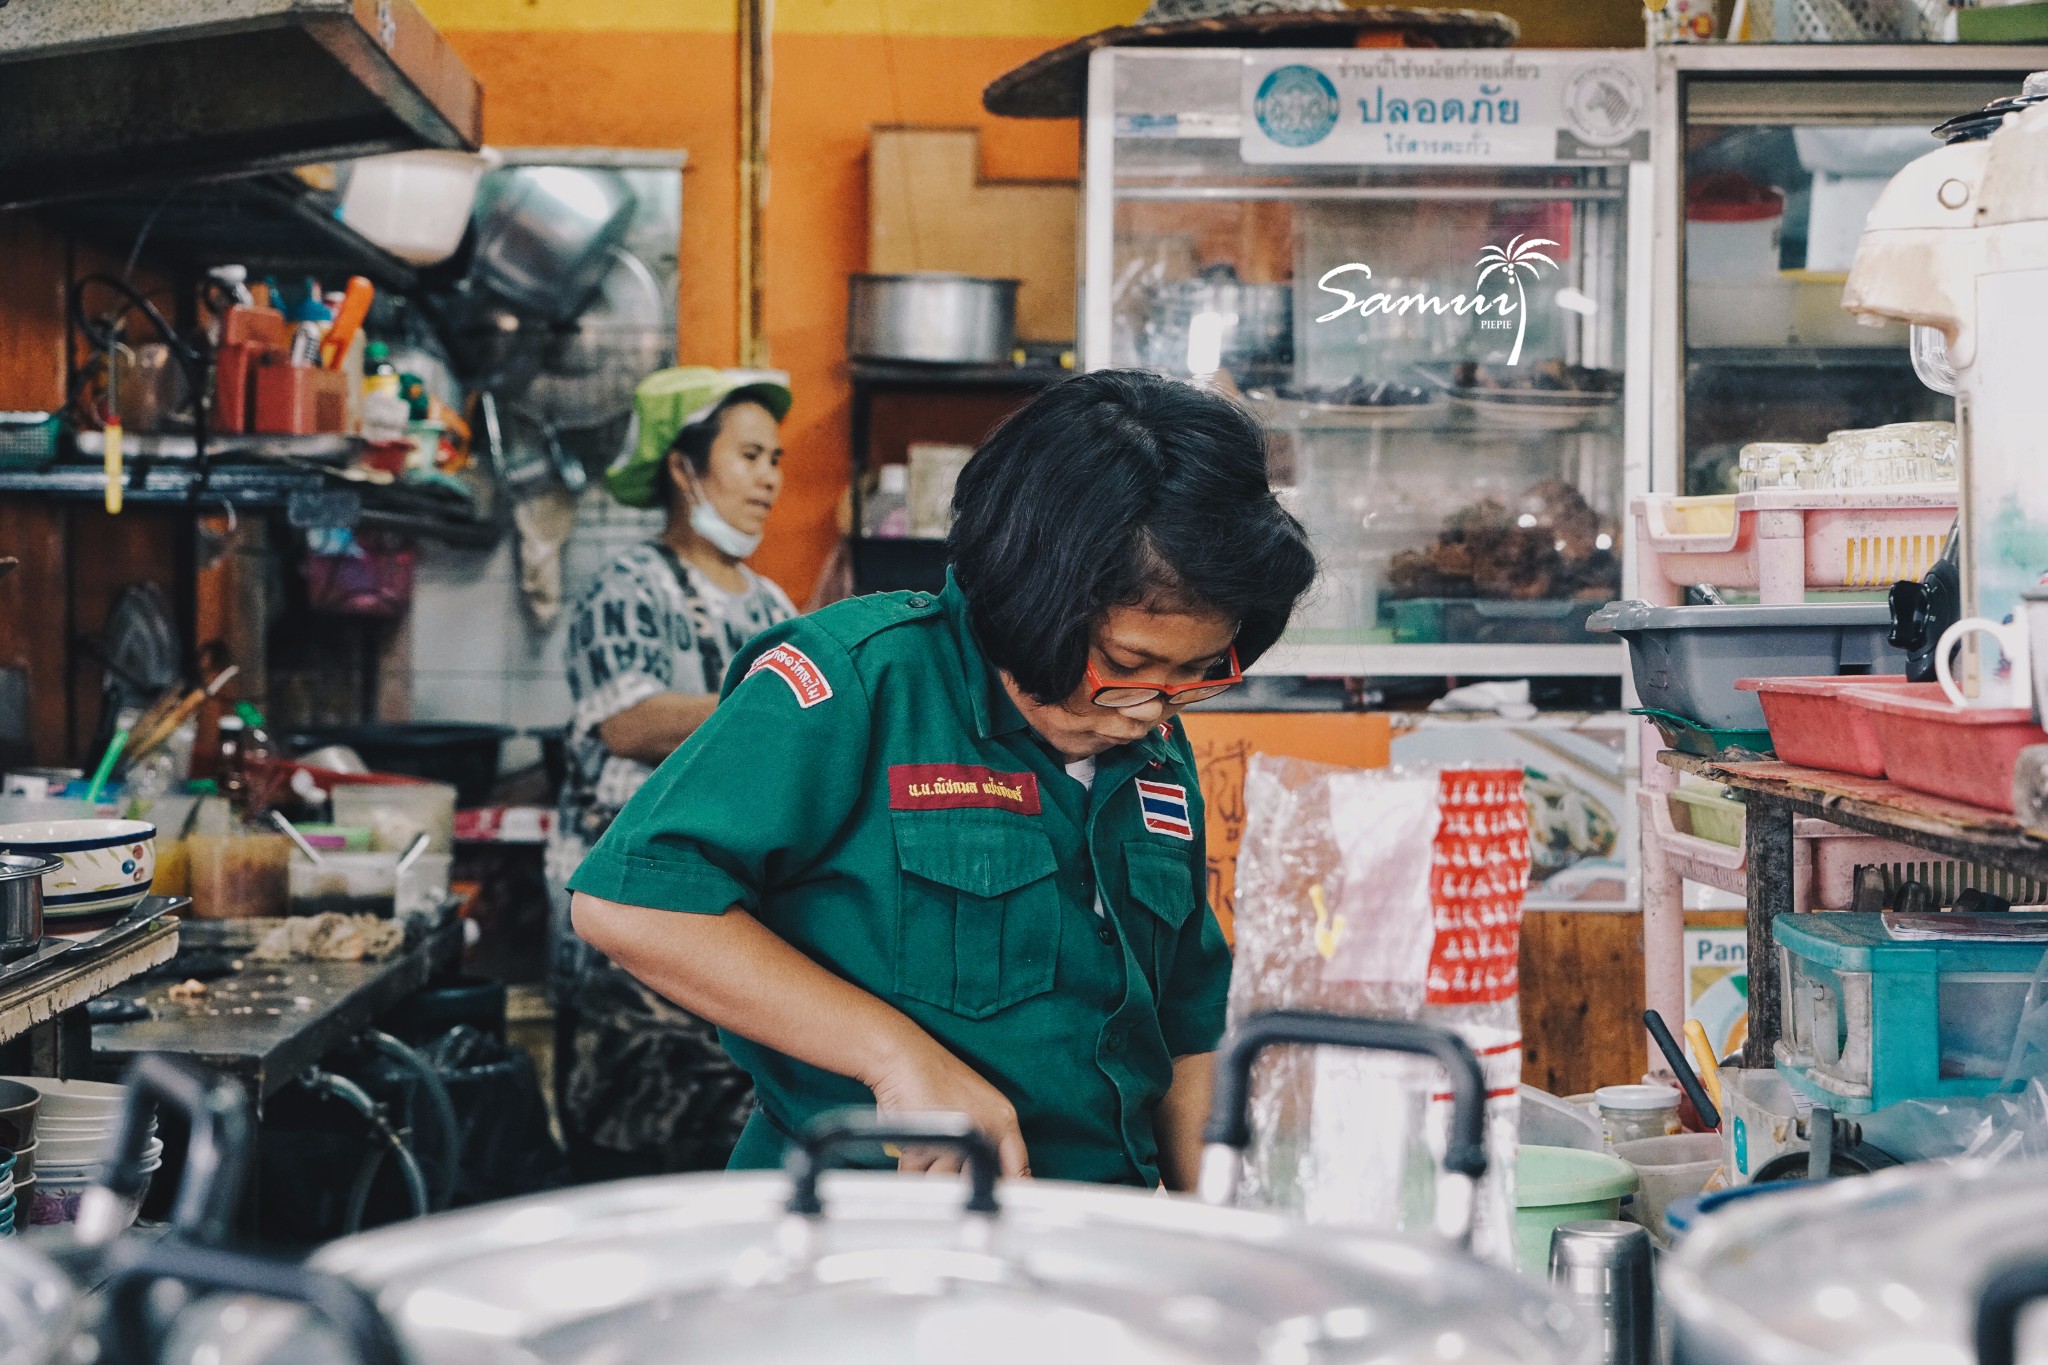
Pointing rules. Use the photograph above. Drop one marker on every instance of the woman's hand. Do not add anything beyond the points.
(920, 1076)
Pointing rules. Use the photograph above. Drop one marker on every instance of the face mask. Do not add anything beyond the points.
(706, 522)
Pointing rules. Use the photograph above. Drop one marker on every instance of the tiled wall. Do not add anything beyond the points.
(476, 654)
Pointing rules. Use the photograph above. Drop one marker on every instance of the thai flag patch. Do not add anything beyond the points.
(1165, 808)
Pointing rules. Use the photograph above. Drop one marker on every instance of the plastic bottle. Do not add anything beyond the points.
(886, 515)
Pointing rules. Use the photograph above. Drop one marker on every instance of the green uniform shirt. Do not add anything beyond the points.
(869, 792)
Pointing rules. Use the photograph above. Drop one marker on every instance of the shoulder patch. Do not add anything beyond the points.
(794, 667)
(1165, 808)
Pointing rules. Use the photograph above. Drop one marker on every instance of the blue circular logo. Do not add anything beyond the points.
(1297, 106)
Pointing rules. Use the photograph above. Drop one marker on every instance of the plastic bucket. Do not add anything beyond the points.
(1670, 1168)
(1556, 1185)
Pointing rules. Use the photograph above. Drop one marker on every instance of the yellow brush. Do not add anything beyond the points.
(1703, 1056)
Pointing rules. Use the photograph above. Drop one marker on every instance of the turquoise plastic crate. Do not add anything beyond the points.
(1869, 1021)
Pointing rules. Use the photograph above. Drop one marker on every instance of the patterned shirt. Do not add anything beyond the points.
(650, 624)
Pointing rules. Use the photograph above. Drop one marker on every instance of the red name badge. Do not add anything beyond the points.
(956, 786)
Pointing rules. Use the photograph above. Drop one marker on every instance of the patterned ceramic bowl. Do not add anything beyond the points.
(108, 864)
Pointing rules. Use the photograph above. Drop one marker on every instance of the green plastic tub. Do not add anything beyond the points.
(1556, 1185)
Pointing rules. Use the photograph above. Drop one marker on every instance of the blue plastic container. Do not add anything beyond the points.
(1869, 1020)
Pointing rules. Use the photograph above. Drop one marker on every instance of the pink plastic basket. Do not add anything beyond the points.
(1787, 540)
(1965, 753)
(1815, 726)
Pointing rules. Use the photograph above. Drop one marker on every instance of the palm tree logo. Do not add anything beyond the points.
(1517, 256)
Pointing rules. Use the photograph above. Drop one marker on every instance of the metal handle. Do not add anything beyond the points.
(1229, 1129)
(141, 1266)
(2011, 1287)
(810, 1156)
(216, 1155)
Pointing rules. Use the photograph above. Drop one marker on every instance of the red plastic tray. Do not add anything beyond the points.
(1814, 725)
(1931, 745)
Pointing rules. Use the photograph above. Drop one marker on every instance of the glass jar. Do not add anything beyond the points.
(1772, 464)
(1632, 1112)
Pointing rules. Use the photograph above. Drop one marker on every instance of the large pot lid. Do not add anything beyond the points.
(1880, 1270)
(712, 1268)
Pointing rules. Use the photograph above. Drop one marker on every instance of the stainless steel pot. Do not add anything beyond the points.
(1922, 1264)
(846, 1266)
(931, 318)
(544, 235)
(21, 901)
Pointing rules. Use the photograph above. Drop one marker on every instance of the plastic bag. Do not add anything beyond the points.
(1393, 893)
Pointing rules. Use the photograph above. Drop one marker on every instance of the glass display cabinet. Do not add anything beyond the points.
(1425, 272)
(1767, 159)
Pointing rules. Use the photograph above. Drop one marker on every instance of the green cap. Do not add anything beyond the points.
(667, 402)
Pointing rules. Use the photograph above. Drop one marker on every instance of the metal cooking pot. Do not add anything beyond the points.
(21, 901)
(544, 235)
(44, 1317)
(1918, 1264)
(931, 318)
(880, 1267)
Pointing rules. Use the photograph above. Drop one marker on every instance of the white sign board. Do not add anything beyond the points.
(1444, 108)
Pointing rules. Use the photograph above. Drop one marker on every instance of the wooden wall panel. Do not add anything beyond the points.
(108, 553)
(32, 286)
(1582, 1000)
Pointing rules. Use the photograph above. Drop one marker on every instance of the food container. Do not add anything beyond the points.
(21, 901)
(931, 317)
(1732, 227)
(415, 204)
(105, 865)
(1556, 1185)
(1669, 1168)
(1630, 1113)
(1930, 744)
(346, 884)
(1870, 1020)
(1815, 725)
(1687, 660)
(240, 876)
(1710, 815)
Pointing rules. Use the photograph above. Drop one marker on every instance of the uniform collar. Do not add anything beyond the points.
(994, 713)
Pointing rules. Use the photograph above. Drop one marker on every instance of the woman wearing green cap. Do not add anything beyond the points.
(646, 1088)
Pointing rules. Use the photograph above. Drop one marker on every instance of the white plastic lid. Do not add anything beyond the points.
(1642, 1098)
(895, 478)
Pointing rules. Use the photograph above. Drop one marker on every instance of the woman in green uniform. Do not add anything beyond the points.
(945, 852)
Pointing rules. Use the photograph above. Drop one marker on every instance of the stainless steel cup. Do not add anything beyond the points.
(21, 901)
(1603, 1267)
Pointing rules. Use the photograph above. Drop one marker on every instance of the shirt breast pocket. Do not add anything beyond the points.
(978, 914)
(1162, 882)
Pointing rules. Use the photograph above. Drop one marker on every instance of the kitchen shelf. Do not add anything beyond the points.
(307, 494)
(1424, 661)
(1798, 357)
(906, 375)
(97, 97)
(272, 223)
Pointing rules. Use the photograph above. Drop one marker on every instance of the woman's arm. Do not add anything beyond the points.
(649, 731)
(1179, 1118)
(734, 971)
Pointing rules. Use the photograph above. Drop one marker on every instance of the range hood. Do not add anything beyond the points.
(101, 95)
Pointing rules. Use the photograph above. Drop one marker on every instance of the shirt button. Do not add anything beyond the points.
(1105, 933)
(920, 601)
(1114, 1040)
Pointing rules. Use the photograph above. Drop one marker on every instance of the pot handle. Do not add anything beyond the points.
(811, 1155)
(140, 1267)
(2010, 1288)
(216, 1156)
(1229, 1130)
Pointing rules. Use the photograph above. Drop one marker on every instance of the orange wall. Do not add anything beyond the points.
(661, 73)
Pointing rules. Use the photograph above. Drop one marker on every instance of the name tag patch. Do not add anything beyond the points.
(794, 667)
(1165, 808)
(960, 786)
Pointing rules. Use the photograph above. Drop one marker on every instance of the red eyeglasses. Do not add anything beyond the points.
(1121, 696)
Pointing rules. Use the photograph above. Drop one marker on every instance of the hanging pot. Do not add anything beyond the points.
(878, 1267)
(544, 235)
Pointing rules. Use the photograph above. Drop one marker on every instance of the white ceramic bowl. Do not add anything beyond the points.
(108, 864)
(65, 1100)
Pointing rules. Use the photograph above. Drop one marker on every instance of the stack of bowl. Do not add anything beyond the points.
(75, 1134)
(18, 1110)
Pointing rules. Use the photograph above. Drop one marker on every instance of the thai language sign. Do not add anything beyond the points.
(1445, 107)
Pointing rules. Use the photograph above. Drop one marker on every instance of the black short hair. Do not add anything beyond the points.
(1113, 489)
(694, 441)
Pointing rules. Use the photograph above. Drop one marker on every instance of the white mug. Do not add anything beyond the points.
(2018, 687)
